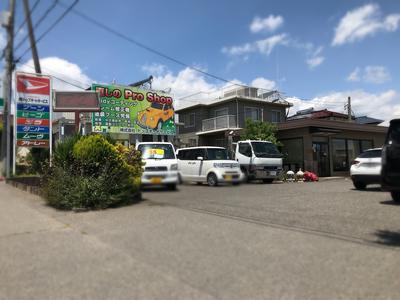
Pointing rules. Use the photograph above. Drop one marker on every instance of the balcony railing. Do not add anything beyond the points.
(221, 122)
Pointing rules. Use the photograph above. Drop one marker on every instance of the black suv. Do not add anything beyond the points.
(391, 161)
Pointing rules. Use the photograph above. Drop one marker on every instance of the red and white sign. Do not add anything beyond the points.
(33, 92)
(32, 84)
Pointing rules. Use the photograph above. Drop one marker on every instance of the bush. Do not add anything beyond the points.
(92, 173)
(37, 159)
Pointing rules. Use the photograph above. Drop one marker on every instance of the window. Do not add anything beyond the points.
(189, 120)
(263, 149)
(276, 116)
(253, 113)
(346, 150)
(190, 154)
(157, 151)
(221, 112)
(245, 149)
(339, 155)
(217, 154)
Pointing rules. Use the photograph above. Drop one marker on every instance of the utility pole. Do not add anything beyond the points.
(32, 37)
(5, 140)
(349, 109)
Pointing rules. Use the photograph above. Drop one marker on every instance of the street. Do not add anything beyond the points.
(253, 241)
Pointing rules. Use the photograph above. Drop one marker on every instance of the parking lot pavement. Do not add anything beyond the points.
(246, 242)
(330, 207)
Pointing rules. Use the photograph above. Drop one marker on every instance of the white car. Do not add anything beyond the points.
(366, 168)
(208, 164)
(161, 165)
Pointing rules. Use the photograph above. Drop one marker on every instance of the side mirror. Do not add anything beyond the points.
(200, 158)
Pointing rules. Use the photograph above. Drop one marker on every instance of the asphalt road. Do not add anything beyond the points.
(255, 241)
(331, 208)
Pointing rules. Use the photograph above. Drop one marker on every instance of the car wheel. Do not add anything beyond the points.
(396, 196)
(212, 179)
(267, 180)
(171, 187)
(359, 185)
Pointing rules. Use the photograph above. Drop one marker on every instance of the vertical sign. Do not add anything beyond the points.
(1, 105)
(33, 110)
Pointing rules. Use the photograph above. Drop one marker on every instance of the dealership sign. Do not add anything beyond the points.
(33, 110)
(132, 110)
(1, 105)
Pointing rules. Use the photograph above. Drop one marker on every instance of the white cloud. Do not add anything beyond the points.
(264, 83)
(376, 74)
(154, 69)
(270, 24)
(355, 75)
(370, 74)
(362, 22)
(71, 75)
(315, 61)
(239, 50)
(385, 105)
(266, 46)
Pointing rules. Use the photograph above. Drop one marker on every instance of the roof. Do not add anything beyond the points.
(230, 99)
(367, 120)
(316, 114)
(330, 125)
(201, 147)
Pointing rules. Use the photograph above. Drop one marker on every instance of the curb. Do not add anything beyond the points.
(35, 190)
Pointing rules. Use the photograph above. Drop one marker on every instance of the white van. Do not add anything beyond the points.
(161, 165)
(259, 160)
(208, 164)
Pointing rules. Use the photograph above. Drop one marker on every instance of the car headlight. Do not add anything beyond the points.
(174, 167)
(218, 165)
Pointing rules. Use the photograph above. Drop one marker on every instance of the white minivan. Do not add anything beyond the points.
(208, 164)
(161, 165)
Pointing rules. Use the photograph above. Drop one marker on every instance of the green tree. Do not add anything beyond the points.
(258, 130)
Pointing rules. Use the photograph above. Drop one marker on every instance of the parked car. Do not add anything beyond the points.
(259, 160)
(391, 161)
(208, 164)
(366, 168)
(154, 116)
(161, 165)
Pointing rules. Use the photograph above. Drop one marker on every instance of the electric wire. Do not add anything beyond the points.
(37, 24)
(24, 22)
(93, 21)
(52, 26)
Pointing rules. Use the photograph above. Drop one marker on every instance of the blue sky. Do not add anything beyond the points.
(316, 52)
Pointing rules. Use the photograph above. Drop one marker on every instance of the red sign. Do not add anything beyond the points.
(33, 143)
(33, 84)
(35, 122)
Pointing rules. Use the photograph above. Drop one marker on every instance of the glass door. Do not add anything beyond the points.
(321, 158)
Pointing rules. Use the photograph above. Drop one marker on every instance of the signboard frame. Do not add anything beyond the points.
(57, 108)
(131, 110)
(49, 124)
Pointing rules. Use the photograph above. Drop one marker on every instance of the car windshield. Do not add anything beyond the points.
(263, 149)
(157, 105)
(217, 154)
(371, 154)
(157, 151)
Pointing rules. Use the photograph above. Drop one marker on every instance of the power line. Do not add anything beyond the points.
(24, 22)
(63, 80)
(44, 16)
(93, 21)
(68, 10)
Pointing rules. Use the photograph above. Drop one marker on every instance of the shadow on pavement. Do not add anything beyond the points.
(369, 189)
(390, 202)
(389, 238)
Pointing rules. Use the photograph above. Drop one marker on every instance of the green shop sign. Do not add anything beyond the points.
(32, 136)
(33, 114)
(133, 110)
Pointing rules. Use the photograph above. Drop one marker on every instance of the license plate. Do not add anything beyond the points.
(272, 173)
(155, 180)
(228, 177)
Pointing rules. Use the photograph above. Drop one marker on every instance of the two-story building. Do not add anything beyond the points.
(213, 123)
